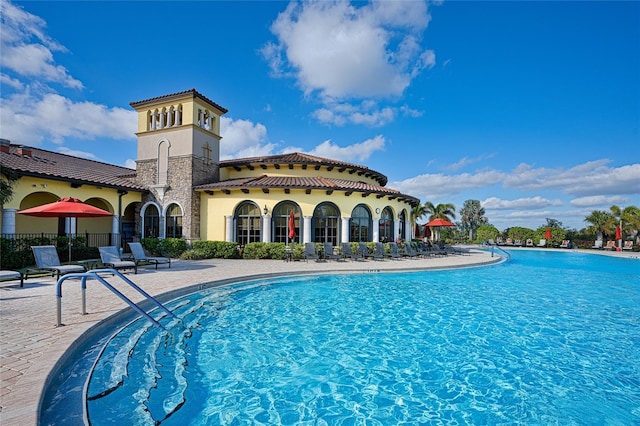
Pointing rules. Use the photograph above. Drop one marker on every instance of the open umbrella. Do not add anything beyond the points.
(436, 223)
(66, 207)
(619, 237)
(292, 225)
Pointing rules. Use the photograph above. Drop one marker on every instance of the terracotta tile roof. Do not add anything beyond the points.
(313, 183)
(193, 92)
(298, 158)
(53, 165)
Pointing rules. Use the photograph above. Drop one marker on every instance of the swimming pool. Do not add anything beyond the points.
(547, 338)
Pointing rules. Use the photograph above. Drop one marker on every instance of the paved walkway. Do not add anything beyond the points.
(30, 344)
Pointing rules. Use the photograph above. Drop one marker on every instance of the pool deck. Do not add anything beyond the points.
(31, 344)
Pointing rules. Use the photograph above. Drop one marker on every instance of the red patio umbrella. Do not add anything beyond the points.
(66, 207)
(619, 237)
(547, 234)
(292, 225)
(417, 231)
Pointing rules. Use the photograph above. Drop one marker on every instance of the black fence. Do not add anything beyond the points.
(24, 241)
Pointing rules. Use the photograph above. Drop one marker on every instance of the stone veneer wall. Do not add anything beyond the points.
(183, 173)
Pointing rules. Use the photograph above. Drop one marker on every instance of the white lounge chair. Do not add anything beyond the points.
(597, 244)
(141, 257)
(628, 245)
(542, 243)
(111, 258)
(47, 260)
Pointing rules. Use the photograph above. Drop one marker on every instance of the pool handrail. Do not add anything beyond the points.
(94, 273)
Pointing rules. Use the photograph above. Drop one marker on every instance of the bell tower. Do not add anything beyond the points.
(178, 148)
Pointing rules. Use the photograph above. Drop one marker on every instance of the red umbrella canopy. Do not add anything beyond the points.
(439, 222)
(618, 233)
(66, 207)
(292, 224)
(417, 232)
(547, 234)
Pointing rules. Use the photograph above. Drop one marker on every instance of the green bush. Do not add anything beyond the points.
(486, 233)
(172, 247)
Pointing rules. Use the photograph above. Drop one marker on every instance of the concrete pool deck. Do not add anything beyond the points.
(31, 344)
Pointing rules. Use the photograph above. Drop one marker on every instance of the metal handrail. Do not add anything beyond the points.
(94, 274)
(503, 251)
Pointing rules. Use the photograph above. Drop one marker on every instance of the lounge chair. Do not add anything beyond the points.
(509, 242)
(346, 252)
(363, 249)
(491, 242)
(628, 245)
(310, 251)
(597, 245)
(517, 243)
(394, 252)
(47, 260)
(111, 258)
(542, 243)
(409, 251)
(378, 251)
(12, 276)
(328, 252)
(139, 256)
(499, 241)
(529, 243)
(611, 245)
(565, 244)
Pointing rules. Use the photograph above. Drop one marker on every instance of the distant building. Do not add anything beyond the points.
(180, 188)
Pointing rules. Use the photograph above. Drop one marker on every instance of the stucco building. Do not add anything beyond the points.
(180, 188)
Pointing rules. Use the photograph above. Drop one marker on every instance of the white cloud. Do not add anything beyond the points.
(27, 50)
(130, 163)
(341, 52)
(77, 153)
(599, 201)
(537, 202)
(242, 138)
(591, 178)
(29, 119)
(465, 161)
(357, 152)
(440, 186)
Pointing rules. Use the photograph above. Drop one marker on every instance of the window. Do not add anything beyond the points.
(325, 224)
(281, 222)
(402, 219)
(360, 224)
(385, 228)
(151, 222)
(247, 220)
(174, 221)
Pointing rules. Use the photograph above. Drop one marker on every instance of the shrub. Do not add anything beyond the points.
(172, 247)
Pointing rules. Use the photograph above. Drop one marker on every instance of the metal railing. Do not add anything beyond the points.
(24, 241)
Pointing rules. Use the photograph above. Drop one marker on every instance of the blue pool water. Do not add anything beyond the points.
(547, 338)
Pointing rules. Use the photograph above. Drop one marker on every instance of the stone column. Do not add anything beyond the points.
(344, 237)
(9, 221)
(376, 230)
(228, 233)
(306, 229)
(266, 228)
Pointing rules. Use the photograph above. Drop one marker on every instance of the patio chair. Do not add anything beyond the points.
(499, 241)
(491, 242)
(47, 260)
(611, 245)
(328, 252)
(542, 243)
(565, 244)
(310, 251)
(393, 252)
(346, 252)
(378, 251)
(139, 256)
(509, 242)
(628, 245)
(111, 258)
(12, 276)
(410, 251)
(529, 243)
(597, 245)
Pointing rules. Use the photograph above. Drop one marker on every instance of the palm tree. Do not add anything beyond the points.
(445, 211)
(441, 211)
(417, 213)
(600, 223)
(472, 215)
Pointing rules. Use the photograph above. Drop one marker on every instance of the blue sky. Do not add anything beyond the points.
(533, 108)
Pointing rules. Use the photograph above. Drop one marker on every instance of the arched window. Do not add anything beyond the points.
(360, 224)
(385, 228)
(281, 222)
(151, 222)
(247, 220)
(174, 221)
(325, 224)
(403, 223)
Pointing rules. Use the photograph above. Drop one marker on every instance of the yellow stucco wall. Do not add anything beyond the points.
(30, 192)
